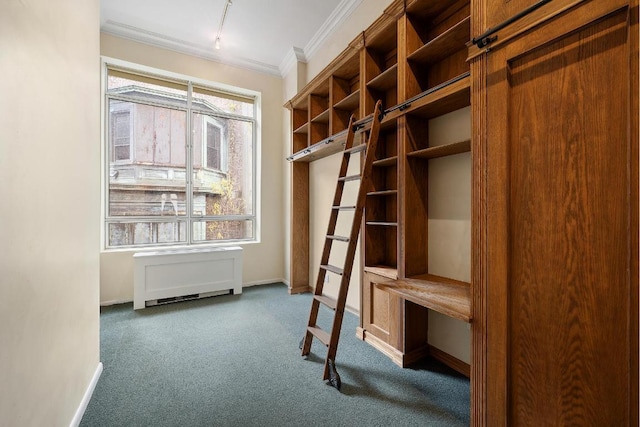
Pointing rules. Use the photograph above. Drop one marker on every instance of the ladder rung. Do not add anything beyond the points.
(344, 208)
(356, 149)
(339, 238)
(332, 269)
(328, 301)
(324, 337)
(349, 178)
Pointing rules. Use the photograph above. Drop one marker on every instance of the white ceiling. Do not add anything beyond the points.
(264, 35)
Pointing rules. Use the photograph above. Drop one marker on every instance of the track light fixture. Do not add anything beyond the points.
(224, 16)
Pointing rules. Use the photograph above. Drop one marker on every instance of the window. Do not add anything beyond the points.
(120, 134)
(180, 158)
(213, 138)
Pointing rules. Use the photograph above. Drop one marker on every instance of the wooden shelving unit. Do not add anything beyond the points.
(416, 58)
(319, 115)
(413, 59)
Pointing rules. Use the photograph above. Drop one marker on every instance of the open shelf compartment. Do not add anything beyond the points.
(442, 150)
(452, 40)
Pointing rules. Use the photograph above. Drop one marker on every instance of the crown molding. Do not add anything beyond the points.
(337, 17)
(140, 35)
(294, 56)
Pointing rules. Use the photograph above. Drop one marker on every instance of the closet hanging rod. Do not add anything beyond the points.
(485, 38)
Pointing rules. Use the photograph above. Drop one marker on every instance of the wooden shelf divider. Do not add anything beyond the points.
(454, 39)
(386, 162)
(322, 117)
(302, 129)
(442, 150)
(349, 103)
(385, 80)
(383, 193)
(382, 270)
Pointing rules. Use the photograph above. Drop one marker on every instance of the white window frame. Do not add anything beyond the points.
(190, 218)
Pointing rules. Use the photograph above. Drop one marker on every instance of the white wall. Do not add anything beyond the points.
(263, 262)
(49, 206)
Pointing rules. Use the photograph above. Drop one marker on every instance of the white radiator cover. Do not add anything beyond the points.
(176, 273)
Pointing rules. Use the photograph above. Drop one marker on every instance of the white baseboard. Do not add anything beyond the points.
(75, 422)
(264, 282)
(115, 302)
(352, 310)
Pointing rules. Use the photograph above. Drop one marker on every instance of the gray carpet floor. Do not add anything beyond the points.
(233, 360)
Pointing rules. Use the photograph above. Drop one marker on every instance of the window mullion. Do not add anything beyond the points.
(189, 165)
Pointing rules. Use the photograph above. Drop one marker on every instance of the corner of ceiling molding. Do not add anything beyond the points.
(337, 17)
(294, 56)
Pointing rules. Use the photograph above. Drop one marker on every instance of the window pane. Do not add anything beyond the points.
(146, 233)
(120, 136)
(147, 170)
(211, 100)
(223, 167)
(222, 230)
(121, 152)
(214, 137)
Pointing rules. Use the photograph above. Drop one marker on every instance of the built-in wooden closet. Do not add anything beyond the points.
(552, 300)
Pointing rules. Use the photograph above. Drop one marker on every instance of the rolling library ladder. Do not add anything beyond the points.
(330, 339)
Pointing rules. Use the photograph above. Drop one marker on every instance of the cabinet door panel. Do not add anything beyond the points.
(500, 10)
(562, 228)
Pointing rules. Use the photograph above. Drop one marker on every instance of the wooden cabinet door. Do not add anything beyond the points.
(560, 225)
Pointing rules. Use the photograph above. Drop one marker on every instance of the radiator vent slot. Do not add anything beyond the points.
(163, 301)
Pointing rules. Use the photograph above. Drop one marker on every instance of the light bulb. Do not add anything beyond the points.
(218, 43)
